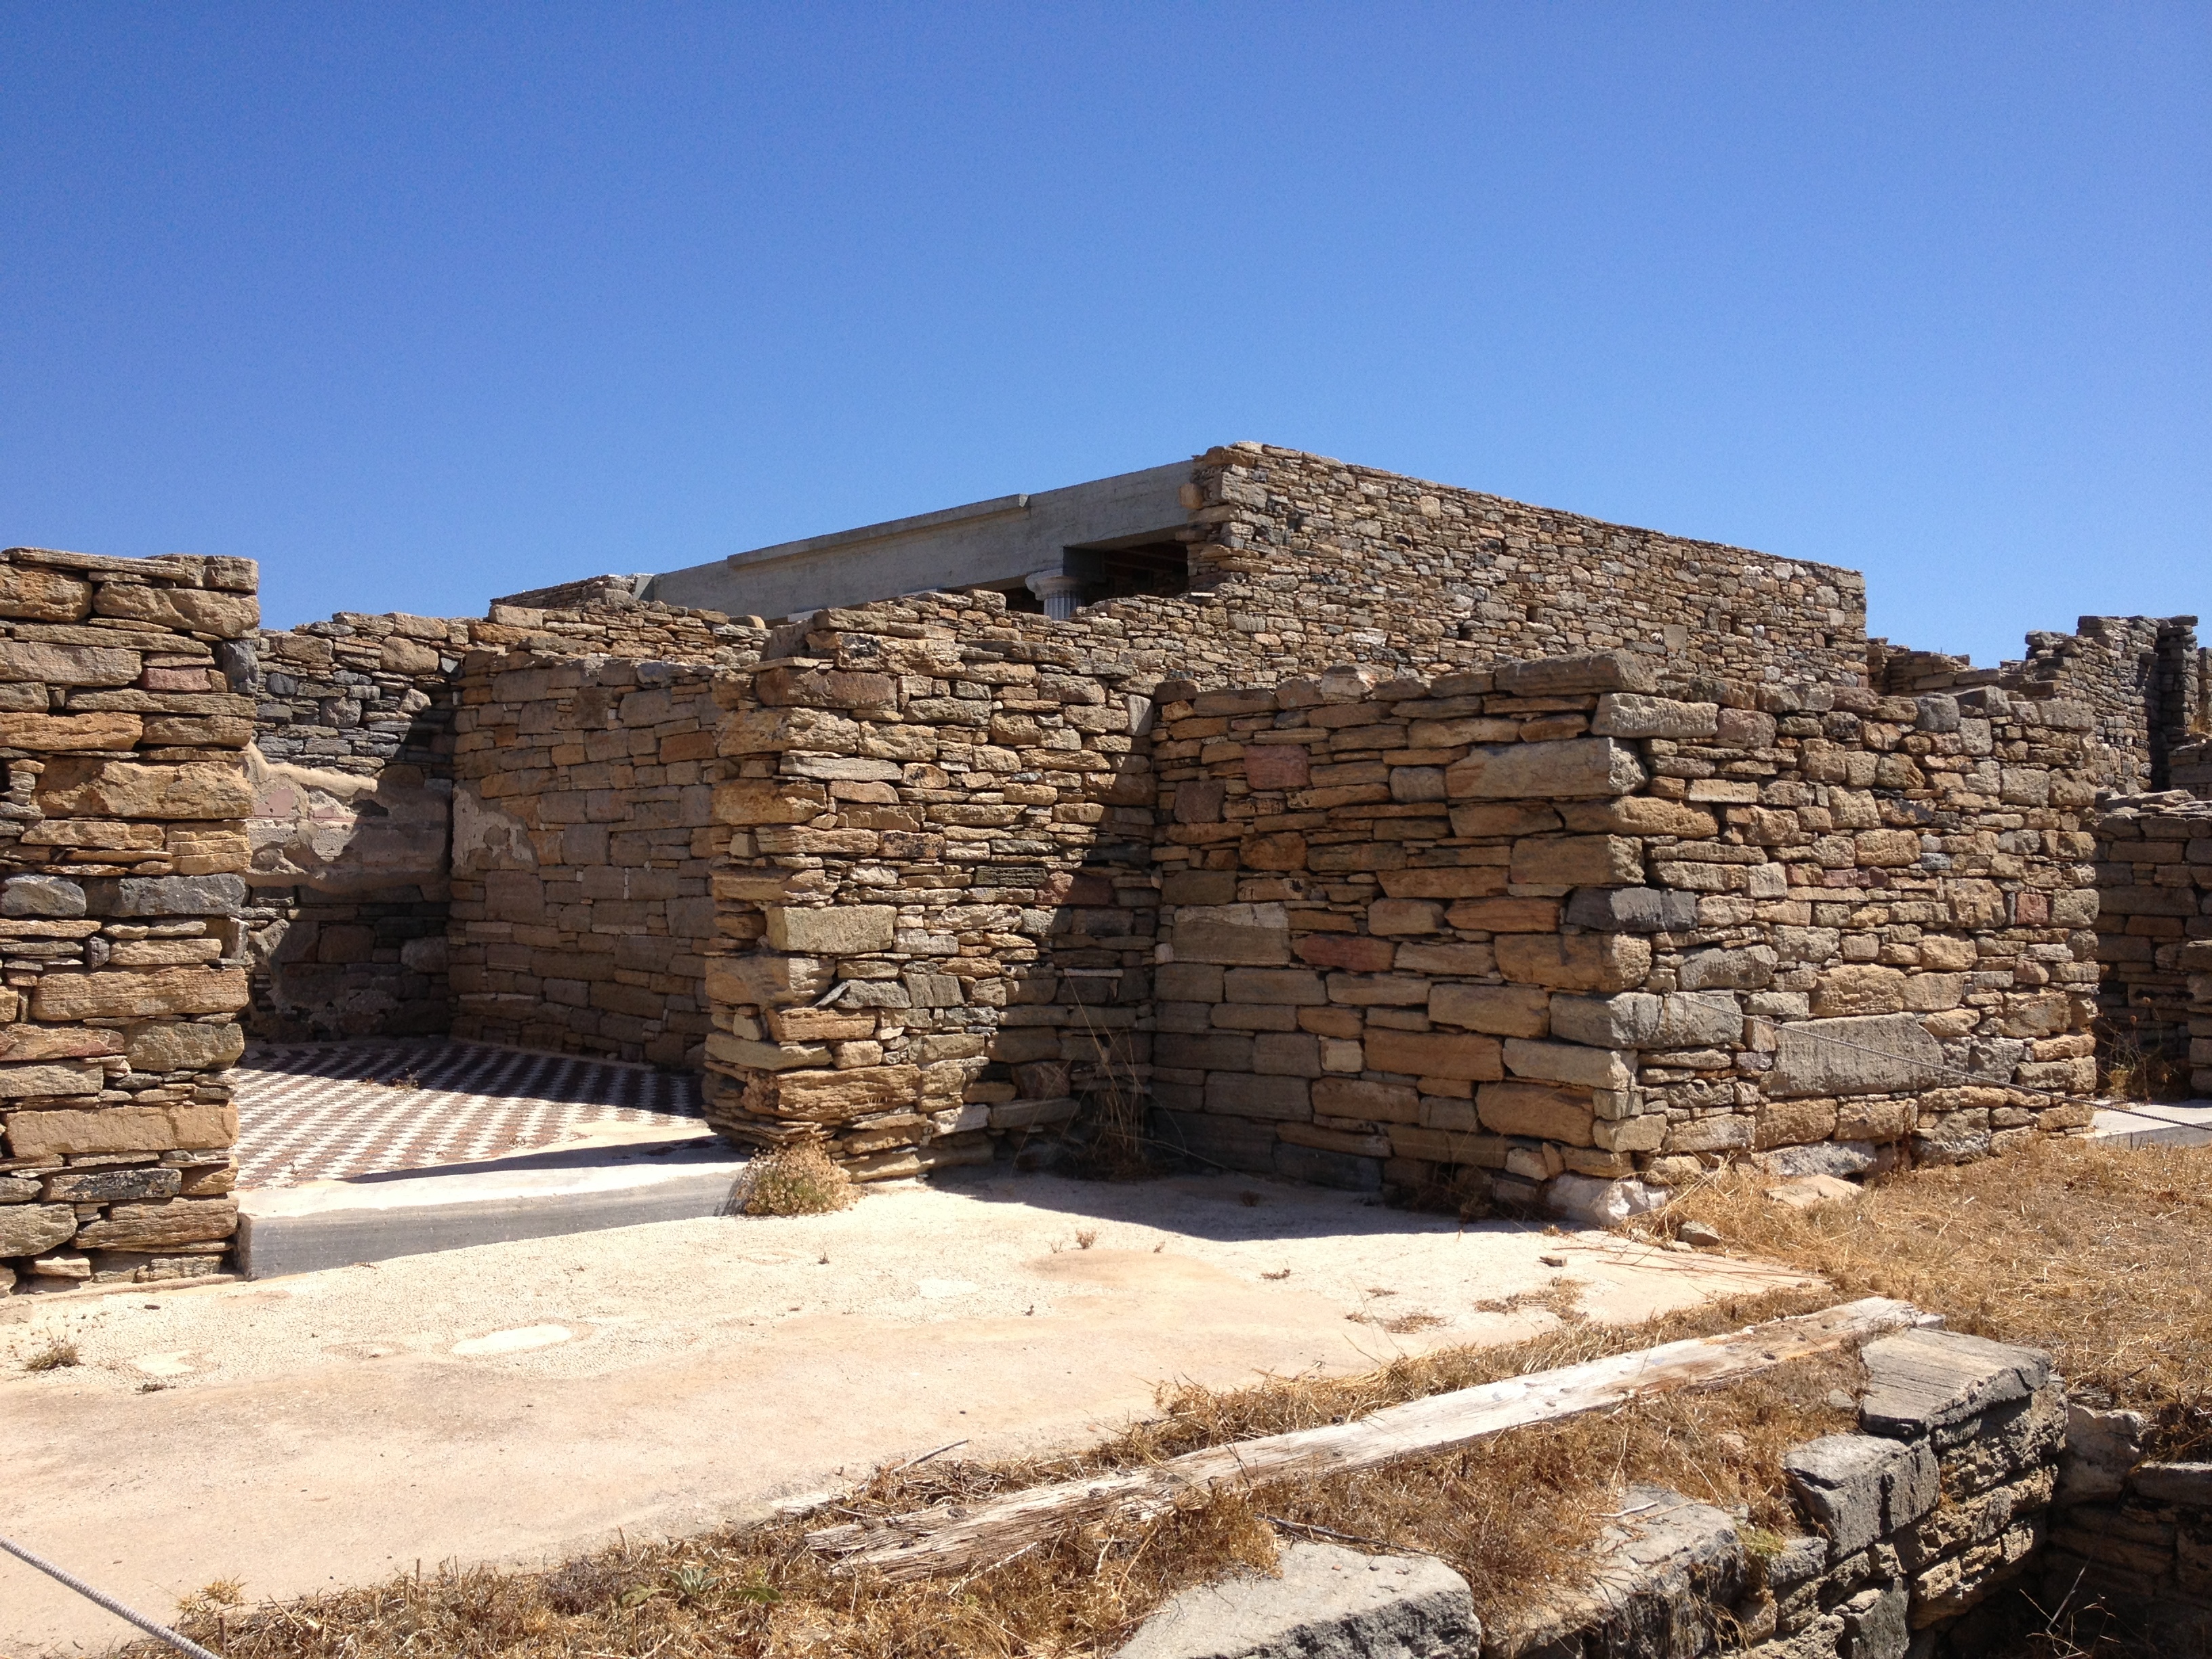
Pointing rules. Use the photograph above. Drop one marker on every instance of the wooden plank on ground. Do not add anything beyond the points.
(955, 1538)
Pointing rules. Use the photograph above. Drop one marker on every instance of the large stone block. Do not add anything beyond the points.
(1374, 1102)
(189, 610)
(833, 1097)
(1503, 1010)
(75, 787)
(69, 664)
(1861, 987)
(33, 1229)
(1235, 934)
(1574, 962)
(1577, 861)
(824, 688)
(1628, 714)
(41, 896)
(1601, 671)
(1543, 1110)
(76, 1077)
(184, 1045)
(30, 594)
(156, 1225)
(170, 896)
(1282, 1099)
(1434, 1054)
(1886, 1054)
(1280, 987)
(1632, 909)
(1564, 767)
(1327, 1603)
(139, 994)
(1919, 1381)
(769, 801)
(835, 931)
(1570, 1062)
(24, 1040)
(1637, 1019)
(121, 1129)
(65, 733)
(1858, 1488)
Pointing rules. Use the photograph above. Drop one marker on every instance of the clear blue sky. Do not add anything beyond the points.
(420, 305)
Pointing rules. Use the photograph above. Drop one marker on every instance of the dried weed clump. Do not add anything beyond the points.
(2093, 1252)
(1512, 1514)
(797, 1180)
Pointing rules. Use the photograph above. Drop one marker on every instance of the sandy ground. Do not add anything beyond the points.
(520, 1402)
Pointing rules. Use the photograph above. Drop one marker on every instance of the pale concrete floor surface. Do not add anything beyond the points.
(521, 1401)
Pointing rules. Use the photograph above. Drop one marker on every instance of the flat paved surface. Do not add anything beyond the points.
(319, 1111)
(523, 1401)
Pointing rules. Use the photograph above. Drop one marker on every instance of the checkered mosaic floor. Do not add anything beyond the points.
(314, 1111)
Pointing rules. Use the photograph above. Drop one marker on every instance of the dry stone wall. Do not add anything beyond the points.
(1342, 563)
(352, 772)
(1545, 931)
(2142, 678)
(2154, 875)
(583, 829)
(123, 845)
(937, 904)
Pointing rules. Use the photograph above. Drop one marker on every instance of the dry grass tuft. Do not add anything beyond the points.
(60, 1353)
(796, 1180)
(2093, 1252)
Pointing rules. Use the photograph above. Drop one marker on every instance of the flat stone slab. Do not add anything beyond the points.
(1920, 1380)
(2182, 1123)
(617, 1181)
(1330, 1603)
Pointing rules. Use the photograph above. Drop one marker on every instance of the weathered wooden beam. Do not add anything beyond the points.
(955, 1537)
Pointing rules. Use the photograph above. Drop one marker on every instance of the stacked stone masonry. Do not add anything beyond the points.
(2155, 869)
(123, 844)
(583, 833)
(352, 771)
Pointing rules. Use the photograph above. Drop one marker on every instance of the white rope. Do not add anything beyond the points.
(161, 1632)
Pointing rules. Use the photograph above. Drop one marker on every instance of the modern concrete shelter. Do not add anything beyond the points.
(1110, 538)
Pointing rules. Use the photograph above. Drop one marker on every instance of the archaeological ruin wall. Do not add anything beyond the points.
(352, 773)
(1661, 930)
(123, 844)
(2145, 679)
(584, 831)
(937, 902)
(2154, 875)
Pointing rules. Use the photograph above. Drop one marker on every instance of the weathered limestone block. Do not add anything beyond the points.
(1858, 1488)
(1434, 1054)
(1749, 969)
(28, 1228)
(156, 1225)
(1859, 988)
(1501, 1010)
(1637, 1019)
(1886, 1054)
(121, 1129)
(1577, 861)
(69, 732)
(842, 930)
(30, 594)
(1328, 1603)
(108, 1186)
(126, 994)
(41, 896)
(1631, 909)
(79, 1077)
(223, 894)
(1254, 934)
(188, 609)
(77, 786)
(27, 1041)
(832, 1096)
(1570, 1062)
(1553, 676)
(69, 664)
(1543, 1110)
(1921, 1381)
(1575, 962)
(1626, 715)
(1561, 769)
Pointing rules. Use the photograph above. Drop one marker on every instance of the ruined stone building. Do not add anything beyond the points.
(1297, 817)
